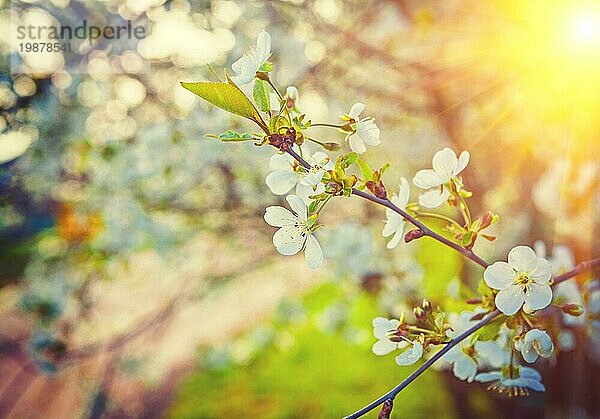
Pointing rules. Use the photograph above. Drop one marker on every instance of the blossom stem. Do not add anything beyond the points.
(468, 253)
(582, 267)
(326, 125)
(439, 217)
(280, 96)
(418, 329)
(318, 211)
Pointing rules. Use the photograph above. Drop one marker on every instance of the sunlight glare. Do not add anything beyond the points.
(585, 29)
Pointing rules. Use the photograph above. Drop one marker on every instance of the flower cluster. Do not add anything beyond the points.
(505, 331)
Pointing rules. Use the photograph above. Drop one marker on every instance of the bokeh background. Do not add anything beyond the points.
(137, 277)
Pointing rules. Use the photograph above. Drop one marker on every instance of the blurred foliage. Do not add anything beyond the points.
(312, 371)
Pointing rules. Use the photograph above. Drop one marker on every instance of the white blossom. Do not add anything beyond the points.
(523, 281)
(535, 343)
(295, 231)
(517, 383)
(462, 355)
(246, 67)
(287, 174)
(394, 224)
(291, 99)
(384, 329)
(446, 166)
(387, 341)
(364, 131)
(495, 353)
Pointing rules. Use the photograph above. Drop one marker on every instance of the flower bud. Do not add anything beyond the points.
(420, 314)
(386, 409)
(377, 188)
(413, 234)
(572, 309)
(486, 220)
(331, 146)
(426, 306)
(474, 301)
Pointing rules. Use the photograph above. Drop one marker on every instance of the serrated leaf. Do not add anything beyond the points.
(261, 95)
(365, 169)
(234, 136)
(226, 96)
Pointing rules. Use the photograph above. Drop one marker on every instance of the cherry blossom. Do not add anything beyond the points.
(446, 166)
(523, 281)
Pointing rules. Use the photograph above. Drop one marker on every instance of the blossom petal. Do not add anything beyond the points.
(498, 275)
(357, 144)
(522, 258)
(298, 206)
(356, 110)
(281, 181)
(281, 162)
(369, 132)
(529, 354)
(433, 198)
(445, 163)
(381, 326)
(395, 240)
(245, 69)
(538, 296)
(485, 377)
(463, 160)
(542, 271)
(411, 355)
(534, 385)
(263, 47)
(427, 178)
(391, 225)
(277, 216)
(313, 252)
(403, 193)
(384, 347)
(530, 373)
(465, 368)
(509, 300)
(289, 240)
(292, 93)
(304, 191)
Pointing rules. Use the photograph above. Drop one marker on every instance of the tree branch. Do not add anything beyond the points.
(394, 392)
(388, 204)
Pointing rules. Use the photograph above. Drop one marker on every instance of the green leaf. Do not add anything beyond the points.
(490, 331)
(233, 136)
(226, 96)
(261, 95)
(266, 67)
(350, 158)
(365, 169)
